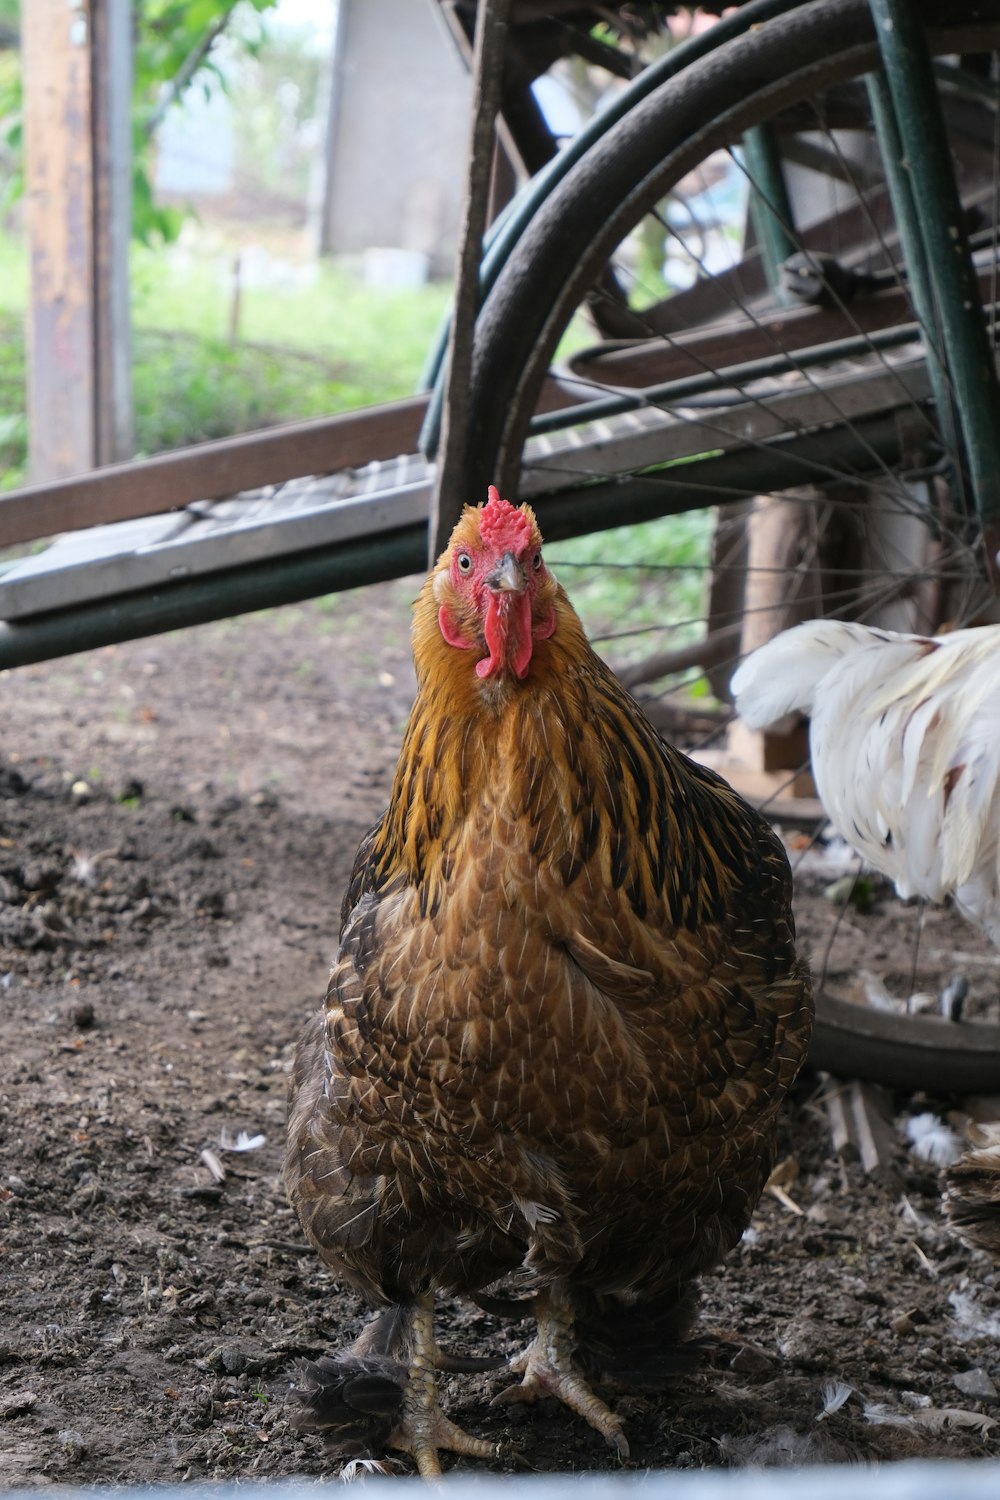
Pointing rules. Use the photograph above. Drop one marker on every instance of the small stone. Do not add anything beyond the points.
(976, 1383)
(234, 1358)
(72, 1444)
(82, 1015)
(801, 1345)
(17, 1403)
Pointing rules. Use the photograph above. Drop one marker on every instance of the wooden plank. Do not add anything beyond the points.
(210, 470)
(58, 216)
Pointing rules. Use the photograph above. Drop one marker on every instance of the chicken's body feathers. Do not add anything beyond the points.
(535, 931)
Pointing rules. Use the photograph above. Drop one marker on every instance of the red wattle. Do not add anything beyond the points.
(508, 635)
(449, 630)
(547, 627)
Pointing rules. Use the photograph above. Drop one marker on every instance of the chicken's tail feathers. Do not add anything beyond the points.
(780, 678)
(972, 1198)
(354, 1400)
(353, 1403)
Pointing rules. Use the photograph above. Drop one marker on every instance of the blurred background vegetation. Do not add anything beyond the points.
(237, 325)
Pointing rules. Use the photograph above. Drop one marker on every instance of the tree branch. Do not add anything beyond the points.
(187, 70)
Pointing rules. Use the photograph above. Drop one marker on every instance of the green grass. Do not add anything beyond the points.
(13, 424)
(321, 344)
(13, 275)
(638, 589)
(371, 344)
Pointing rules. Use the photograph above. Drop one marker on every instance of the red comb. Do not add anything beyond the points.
(503, 526)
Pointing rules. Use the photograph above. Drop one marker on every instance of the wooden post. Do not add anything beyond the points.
(783, 587)
(77, 69)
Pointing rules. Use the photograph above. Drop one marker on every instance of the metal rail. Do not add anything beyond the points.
(568, 504)
(151, 486)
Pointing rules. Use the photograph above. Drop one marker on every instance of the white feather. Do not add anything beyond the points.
(905, 744)
(782, 677)
(933, 1140)
(835, 1393)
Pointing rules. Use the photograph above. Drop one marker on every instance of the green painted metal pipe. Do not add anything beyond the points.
(915, 257)
(195, 601)
(927, 161)
(770, 206)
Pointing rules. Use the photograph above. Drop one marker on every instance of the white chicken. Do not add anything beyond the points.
(905, 744)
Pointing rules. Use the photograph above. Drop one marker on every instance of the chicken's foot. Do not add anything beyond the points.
(424, 1429)
(546, 1369)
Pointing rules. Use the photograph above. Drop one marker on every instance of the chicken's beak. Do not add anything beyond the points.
(508, 576)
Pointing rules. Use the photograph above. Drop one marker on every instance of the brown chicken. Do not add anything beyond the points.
(564, 1012)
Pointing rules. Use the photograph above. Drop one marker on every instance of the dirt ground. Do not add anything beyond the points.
(177, 820)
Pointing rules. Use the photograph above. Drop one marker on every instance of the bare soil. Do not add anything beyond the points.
(178, 817)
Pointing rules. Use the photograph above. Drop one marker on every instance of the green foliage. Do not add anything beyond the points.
(174, 46)
(11, 172)
(175, 41)
(638, 589)
(152, 222)
(13, 426)
(325, 346)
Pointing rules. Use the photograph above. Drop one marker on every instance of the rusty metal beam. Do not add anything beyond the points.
(151, 486)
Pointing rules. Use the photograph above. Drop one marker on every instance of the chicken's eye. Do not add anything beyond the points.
(464, 563)
(536, 561)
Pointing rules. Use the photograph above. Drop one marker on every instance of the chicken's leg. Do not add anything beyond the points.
(424, 1429)
(546, 1369)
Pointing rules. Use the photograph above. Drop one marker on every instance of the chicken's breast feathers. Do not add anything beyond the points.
(566, 1005)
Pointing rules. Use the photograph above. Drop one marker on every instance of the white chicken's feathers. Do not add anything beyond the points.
(782, 677)
(905, 743)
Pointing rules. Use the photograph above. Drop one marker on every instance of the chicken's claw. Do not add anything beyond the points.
(424, 1433)
(424, 1429)
(546, 1369)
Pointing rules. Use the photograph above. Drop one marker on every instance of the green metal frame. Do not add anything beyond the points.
(770, 207)
(937, 250)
